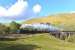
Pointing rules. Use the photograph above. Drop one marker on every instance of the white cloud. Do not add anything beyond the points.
(15, 9)
(71, 11)
(2, 11)
(37, 8)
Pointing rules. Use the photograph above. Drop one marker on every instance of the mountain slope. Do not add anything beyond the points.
(65, 21)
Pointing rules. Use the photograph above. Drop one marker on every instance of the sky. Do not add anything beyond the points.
(20, 10)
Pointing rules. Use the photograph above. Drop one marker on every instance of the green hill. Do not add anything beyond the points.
(65, 20)
(37, 42)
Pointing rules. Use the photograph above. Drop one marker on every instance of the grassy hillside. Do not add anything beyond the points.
(37, 42)
(65, 21)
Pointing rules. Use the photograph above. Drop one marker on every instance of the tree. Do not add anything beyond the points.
(3, 29)
(14, 27)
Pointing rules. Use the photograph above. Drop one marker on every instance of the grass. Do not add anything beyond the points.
(37, 42)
